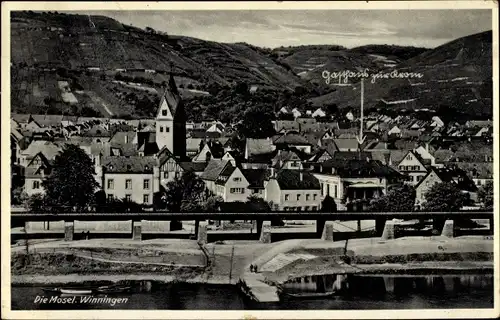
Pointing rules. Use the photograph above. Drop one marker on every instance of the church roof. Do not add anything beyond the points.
(171, 96)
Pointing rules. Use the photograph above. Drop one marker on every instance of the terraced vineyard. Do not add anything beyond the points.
(91, 50)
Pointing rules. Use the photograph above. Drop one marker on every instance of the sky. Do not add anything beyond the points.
(349, 28)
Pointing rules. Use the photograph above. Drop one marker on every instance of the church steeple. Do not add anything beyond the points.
(171, 121)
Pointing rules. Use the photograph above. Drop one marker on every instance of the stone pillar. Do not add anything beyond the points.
(136, 230)
(265, 233)
(388, 233)
(327, 233)
(69, 230)
(320, 226)
(201, 235)
(448, 230)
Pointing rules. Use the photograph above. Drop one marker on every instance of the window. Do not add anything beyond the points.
(322, 190)
(255, 191)
(111, 184)
(314, 208)
(298, 197)
(287, 197)
(237, 190)
(128, 197)
(164, 112)
(327, 189)
(145, 184)
(110, 197)
(165, 174)
(306, 208)
(177, 175)
(167, 129)
(299, 209)
(36, 184)
(145, 198)
(161, 129)
(237, 179)
(128, 184)
(335, 191)
(314, 196)
(409, 157)
(307, 197)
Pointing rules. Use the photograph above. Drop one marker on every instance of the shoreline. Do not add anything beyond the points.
(22, 280)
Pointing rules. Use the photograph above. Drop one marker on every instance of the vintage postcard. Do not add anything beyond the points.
(256, 160)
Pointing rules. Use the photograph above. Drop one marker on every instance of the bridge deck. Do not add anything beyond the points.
(186, 216)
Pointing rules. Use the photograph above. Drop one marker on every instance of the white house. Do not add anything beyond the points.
(296, 113)
(318, 113)
(293, 190)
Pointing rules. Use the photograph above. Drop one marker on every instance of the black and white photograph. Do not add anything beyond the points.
(256, 159)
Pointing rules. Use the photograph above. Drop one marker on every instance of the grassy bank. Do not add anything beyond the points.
(62, 264)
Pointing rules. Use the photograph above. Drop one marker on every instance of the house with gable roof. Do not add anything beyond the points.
(414, 166)
(232, 185)
(439, 175)
(37, 169)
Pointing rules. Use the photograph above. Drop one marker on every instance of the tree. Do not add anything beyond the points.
(444, 197)
(212, 204)
(485, 195)
(35, 203)
(256, 124)
(400, 198)
(71, 183)
(328, 205)
(256, 204)
(18, 196)
(187, 188)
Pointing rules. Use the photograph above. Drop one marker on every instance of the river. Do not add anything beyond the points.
(476, 293)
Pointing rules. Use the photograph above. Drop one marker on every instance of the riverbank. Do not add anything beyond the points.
(183, 260)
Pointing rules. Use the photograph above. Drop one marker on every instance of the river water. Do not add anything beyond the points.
(475, 293)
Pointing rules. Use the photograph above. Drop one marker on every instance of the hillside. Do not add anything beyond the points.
(457, 75)
(94, 65)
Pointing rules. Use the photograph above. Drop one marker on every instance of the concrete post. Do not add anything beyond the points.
(448, 230)
(69, 230)
(265, 233)
(202, 232)
(388, 233)
(137, 230)
(327, 234)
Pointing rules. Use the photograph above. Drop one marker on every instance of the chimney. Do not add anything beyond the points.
(272, 172)
(427, 146)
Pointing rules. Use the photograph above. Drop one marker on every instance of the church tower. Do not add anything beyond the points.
(171, 121)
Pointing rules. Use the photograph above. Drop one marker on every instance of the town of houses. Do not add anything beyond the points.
(307, 159)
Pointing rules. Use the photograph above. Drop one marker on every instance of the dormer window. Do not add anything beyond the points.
(164, 113)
